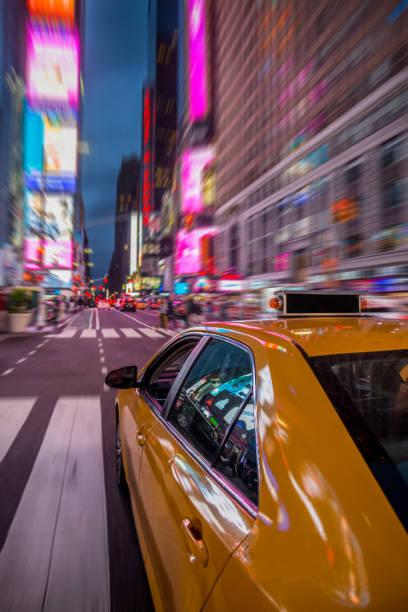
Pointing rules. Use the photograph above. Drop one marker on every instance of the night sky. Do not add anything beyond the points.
(115, 67)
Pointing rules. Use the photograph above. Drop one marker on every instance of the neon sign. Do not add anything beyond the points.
(52, 65)
(147, 183)
(198, 86)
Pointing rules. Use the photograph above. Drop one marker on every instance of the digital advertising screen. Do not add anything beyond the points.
(56, 9)
(50, 151)
(33, 141)
(48, 226)
(52, 65)
(189, 253)
(57, 279)
(60, 150)
(193, 165)
(197, 53)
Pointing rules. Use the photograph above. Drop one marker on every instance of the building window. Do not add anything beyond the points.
(393, 151)
(353, 171)
(393, 194)
(234, 246)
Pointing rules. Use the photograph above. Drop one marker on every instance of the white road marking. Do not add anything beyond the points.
(135, 320)
(100, 350)
(7, 372)
(13, 414)
(64, 498)
(102, 358)
(68, 333)
(104, 370)
(129, 332)
(151, 333)
(88, 333)
(97, 319)
(106, 388)
(169, 332)
(72, 319)
(109, 333)
(31, 352)
(22, 359)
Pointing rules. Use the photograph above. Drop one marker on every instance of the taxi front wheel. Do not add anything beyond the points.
(120, 471)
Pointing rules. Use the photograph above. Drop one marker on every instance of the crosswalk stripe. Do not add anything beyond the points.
(13, 414)
(151, 333)
(68, 333)
(109, 333)
(64, 498)
(129, 332)
(89, 333)
(169, 332)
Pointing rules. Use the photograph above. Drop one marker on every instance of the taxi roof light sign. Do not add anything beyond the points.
(300, 304)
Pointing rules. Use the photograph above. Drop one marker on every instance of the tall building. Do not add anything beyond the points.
(311, 130)
(159, 133)
(127, 218)
(193, 253)
(39, 149)
(13, 16)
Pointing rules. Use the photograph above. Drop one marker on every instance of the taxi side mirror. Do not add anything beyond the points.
(123, 378)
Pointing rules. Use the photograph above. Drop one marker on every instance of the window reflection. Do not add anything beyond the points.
(211, 396)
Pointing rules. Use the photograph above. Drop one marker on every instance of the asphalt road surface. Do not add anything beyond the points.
(67, 537)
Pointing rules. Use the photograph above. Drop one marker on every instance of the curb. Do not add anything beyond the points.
(37, 331)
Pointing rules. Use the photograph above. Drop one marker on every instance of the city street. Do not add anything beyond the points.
(67, 537)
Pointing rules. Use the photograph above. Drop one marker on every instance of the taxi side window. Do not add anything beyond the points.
(212, 395)
(161, 378)
(238, 458)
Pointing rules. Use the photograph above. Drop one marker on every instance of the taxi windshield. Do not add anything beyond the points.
(370, 393)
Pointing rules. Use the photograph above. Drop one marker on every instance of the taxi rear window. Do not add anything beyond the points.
(370, 393)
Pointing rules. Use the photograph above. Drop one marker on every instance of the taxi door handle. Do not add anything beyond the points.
(140, 438)
(198, 552)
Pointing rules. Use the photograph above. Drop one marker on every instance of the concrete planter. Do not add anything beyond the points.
(18, 321)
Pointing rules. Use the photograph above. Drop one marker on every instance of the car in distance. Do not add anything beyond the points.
(128, 303)
(267, 461)
(141, 303)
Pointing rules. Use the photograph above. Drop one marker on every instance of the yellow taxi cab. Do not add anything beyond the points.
(267, 461)
(141, 304)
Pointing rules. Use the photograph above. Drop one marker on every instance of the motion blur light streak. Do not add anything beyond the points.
(52, 65)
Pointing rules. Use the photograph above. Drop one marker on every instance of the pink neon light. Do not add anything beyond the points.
(52, 65)
(193, 162)
(31, 251)
(188, 249)
(197, 59)
(58, 254)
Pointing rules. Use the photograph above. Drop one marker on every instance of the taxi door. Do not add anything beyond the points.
(192, 520)
(191, 524)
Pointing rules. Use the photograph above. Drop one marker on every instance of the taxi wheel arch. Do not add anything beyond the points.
(119, 468)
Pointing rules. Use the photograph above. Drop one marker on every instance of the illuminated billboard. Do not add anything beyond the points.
(60, 150)
(52, 65)
(189, 255)
(54, 9)
(193, 165)
(48, 227)
(33, 138)
(197, 52)
(50, 151)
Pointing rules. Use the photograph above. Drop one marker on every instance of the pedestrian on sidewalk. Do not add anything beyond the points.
(188, 309)
(55, 311)
(163, 313)
(170, 313)
(61, 310)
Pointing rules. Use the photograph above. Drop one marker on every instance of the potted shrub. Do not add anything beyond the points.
(18, 306)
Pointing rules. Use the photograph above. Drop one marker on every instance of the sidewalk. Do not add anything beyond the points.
(37, 331)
